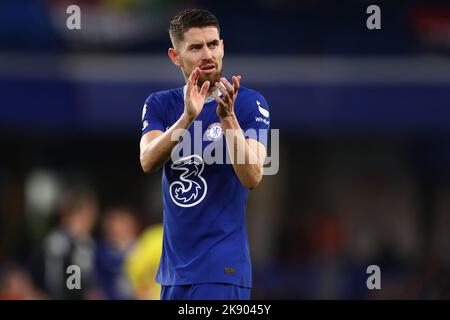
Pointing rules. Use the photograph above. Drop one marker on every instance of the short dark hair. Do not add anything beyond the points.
(191, 18)
(72, 201)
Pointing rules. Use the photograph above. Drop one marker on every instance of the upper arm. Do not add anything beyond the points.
(255, 119)
(153, 121)
(153, 115)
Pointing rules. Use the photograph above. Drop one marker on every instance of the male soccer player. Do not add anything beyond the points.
(205, 246)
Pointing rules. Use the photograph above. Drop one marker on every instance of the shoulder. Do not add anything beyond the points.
(165, 96)
(252, 101)
(253, 97)
(57, 242)
(249, 93)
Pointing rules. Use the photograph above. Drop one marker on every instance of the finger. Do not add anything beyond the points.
(192, 76)
(190, 83)
(236, 83)
(204, 88)
(196, 76)
(229, 87)
(225, 94)
(219, 101)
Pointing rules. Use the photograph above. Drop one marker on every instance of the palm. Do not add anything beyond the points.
(194, 97)
(196, 100)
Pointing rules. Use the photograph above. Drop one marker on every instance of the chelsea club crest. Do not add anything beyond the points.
(214, 132)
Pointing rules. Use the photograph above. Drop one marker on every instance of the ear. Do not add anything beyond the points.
(223, 47)
(174, 57)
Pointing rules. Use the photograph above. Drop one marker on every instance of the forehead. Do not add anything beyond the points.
(205, 34)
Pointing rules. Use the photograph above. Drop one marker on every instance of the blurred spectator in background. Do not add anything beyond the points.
(71, 243)
(119, 233)
(142, 264)
(16, 284)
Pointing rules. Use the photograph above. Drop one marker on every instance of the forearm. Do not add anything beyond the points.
(245, 161)
(158, 151)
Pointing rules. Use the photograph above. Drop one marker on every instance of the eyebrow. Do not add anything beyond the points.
(199, 45)
(215, 41)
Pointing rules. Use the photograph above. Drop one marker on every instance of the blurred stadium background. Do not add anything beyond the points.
(364, 119)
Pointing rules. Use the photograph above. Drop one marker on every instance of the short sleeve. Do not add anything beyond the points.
(256, 118)
(152, 115)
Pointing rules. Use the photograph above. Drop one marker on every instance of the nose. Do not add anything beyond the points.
(206, 53)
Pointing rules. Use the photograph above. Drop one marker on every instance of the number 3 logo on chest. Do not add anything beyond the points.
(191, 188)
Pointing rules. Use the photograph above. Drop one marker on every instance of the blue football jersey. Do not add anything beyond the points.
(205, 233)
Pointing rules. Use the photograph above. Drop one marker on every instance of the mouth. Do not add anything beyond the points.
(208, 68)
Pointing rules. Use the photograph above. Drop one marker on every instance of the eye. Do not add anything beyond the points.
(195, 47)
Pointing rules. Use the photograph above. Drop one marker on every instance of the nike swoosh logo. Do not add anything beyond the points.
(263, 111)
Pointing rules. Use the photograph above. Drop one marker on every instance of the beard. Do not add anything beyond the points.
(211, 77)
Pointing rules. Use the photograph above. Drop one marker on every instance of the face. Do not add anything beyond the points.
(119, 224)
(83, 219)
(203, 48)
